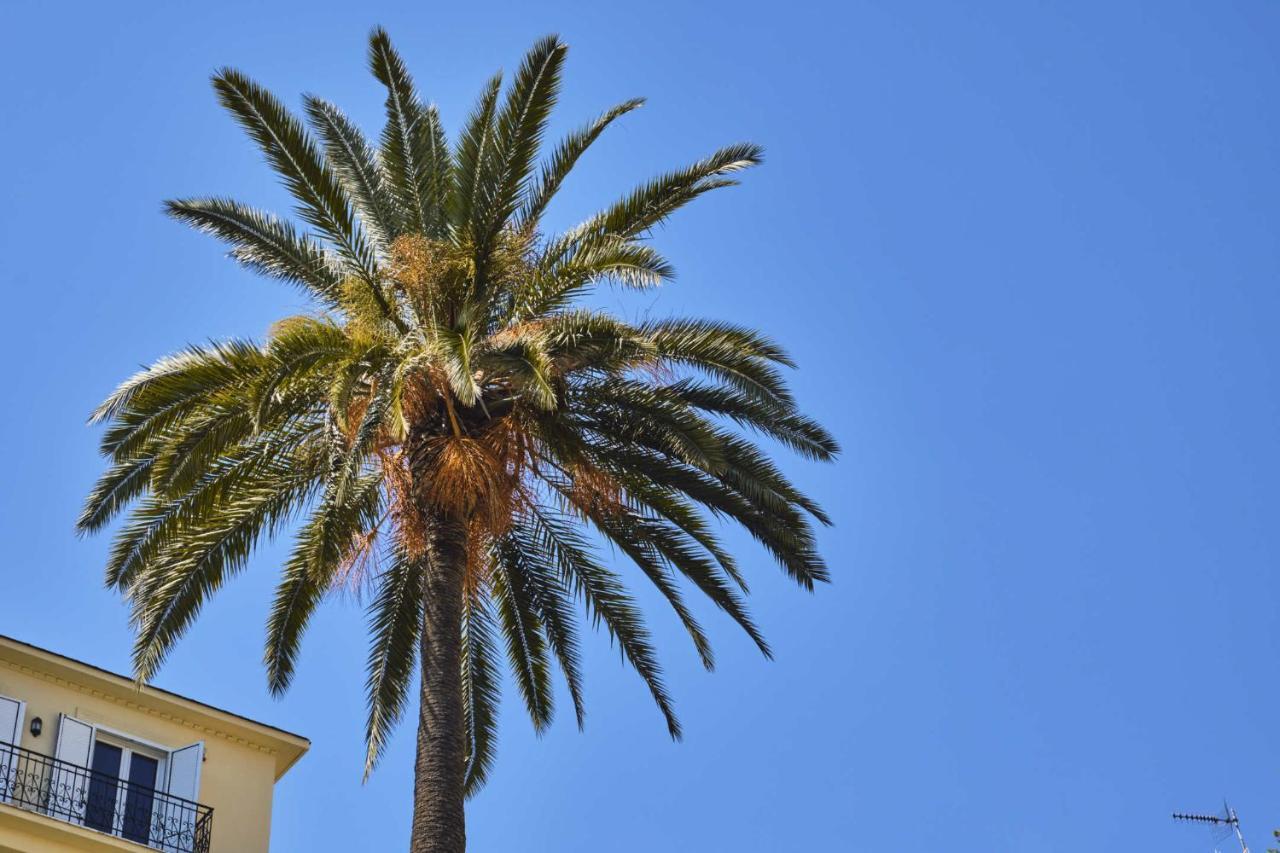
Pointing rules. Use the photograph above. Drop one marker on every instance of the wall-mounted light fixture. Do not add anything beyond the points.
(37, 726)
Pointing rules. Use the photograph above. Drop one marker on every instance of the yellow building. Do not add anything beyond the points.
(91, 762)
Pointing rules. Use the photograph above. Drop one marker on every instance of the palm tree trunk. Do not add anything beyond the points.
(439, 825)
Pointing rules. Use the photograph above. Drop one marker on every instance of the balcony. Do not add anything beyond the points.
(77, 795)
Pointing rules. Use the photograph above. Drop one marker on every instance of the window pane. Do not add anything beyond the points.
(100, 804)
(139, 798)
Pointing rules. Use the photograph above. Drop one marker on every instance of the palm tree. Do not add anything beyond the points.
(449, 429)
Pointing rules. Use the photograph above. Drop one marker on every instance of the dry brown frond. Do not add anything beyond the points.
(421, 396)
(479, 568)
(462, 474)
(354, 414)
(360, 565)
(511, 334)
(479, 479)
(410, 524)
(593, 488)
(657, 371)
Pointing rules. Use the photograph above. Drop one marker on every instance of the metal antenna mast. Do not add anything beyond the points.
(1228, 822)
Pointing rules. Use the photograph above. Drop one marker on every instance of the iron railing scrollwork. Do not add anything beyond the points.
(99, 801)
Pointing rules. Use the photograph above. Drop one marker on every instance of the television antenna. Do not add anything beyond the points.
(1224, 824)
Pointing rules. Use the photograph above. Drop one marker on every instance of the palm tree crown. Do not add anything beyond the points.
(450, 380)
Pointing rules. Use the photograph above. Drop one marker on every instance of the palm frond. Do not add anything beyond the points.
(167, 597)
(635, 411)
(114, 490)
(173, 380)
(569, 268)
(539, 194)
(473, 161)
(519, 128)
(798, 432)
(607, 603)
(291, 152)
(289, 149)
(322, 546)
(554, 606)
(395, 621)
(622, 532)
(523, 632)
(414, 152)
(775, 524)
(741, 357)
(481, 690)
(289, 460)
(677, 551)
(264, 243)
(356, 166)
(650, 204)
(650, 498)
(191, 449)
(353, 458)
(524, 361)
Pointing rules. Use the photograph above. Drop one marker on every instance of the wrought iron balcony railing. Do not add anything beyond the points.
(99, 801)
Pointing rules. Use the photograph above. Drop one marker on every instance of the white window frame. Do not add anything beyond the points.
(9, 756)
(130, 746)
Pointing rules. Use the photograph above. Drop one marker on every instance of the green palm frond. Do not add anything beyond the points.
(291, 152)
(629, 538)
(570, 268)
(650, 204)
(457, 345)
(788, 426)
(119, 486)
(414, 152)
(177, 379)
(670, 505)
(684, 555)
(322, 546)
(193, 448)
(291, 459)
(395, 623)
(264, 243)
(523, 632)
(525, 361)
(473, 161)
(353, 459)
(564, 158)
(289, 148)
(169, 594)
(741, 357)
(519, 128)
(356, 166)
(555, 609)
(606, 601)
(481, 690)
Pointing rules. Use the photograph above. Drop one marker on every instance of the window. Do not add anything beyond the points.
(116, 783)
(124, 809)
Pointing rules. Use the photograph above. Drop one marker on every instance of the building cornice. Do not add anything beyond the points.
(32, 661)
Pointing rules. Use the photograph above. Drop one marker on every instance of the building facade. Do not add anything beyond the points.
(90, 761)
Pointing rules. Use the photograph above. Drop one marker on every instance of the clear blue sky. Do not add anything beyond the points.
(1026, 255)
